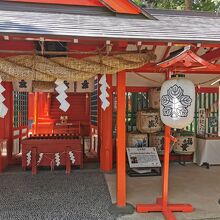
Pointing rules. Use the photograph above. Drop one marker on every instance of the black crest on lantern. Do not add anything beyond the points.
(22, 84)
(175, 103)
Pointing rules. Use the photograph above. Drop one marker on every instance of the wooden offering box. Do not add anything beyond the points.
(52, 150)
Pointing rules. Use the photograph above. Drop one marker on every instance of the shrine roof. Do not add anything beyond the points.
(99, 22)
(120, 6)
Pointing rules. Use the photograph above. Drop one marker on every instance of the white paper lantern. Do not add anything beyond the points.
(177, 102)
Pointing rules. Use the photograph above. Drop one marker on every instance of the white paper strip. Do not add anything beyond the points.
(3, 110)
(40, 158)
(72, 157)
(104, 94)
(103, 81)
(64, 106)
(59, 81)
(61, 88)
(2, 98)
(61, 97)
(28, 155)
(105, 104)
(3, 107)
(57, 159)
(2, 89)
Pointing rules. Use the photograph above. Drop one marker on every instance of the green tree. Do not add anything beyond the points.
(199, 5)
(188, 4)
(206, 5)
(139, 2)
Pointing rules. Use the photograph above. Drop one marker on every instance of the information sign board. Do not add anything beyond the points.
(140, 157)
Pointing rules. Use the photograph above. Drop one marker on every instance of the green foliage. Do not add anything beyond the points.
(199, 5)
(170, 4)
(206, 5)
(139, 2)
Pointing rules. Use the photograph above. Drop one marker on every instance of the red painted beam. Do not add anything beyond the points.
(212, 55)
(152, 68)
(16, 46)
(122, 6)
(186, 58)
(201, 70)
(132, 89)
(206, 90)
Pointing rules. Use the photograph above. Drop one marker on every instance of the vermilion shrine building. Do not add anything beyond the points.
(182, 42)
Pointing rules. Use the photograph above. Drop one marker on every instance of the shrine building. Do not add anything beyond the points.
(81, 87)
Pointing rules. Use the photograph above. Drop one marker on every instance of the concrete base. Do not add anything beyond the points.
(113, 171)
(120, 211)
(189, 184)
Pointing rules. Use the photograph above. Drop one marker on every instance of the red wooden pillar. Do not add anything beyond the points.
(121, 140)
(45, 104)
(36, 100)
(106, 132)
(166, 167)
(99, 122)
(68, 162)
(48, 103)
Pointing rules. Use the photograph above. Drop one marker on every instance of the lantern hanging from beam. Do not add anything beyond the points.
(177, 102)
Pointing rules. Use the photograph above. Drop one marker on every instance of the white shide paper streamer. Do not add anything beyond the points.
(57, 159)
(3, 107)
(61, 89)
(40, 158)
(72, 157)
(28, 158)
(104, 94)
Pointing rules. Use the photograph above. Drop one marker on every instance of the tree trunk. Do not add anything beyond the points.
(188, 4)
